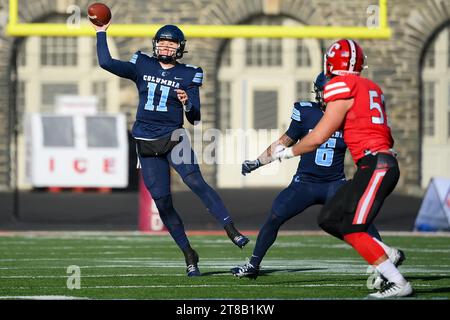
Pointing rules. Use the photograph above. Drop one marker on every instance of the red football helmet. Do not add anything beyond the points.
(343, 57)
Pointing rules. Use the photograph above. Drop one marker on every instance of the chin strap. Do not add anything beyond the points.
(166, 59)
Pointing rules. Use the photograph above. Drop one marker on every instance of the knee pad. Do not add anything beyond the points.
(275, 220)
(329, 224)
(164, 204)
(194, 181)
(278, 209)
(167, 212)
(158, 193)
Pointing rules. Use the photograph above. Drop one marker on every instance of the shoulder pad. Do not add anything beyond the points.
(191, 66)
(339, 87)
(197, 75)
(144, 53)
(305, 104)
(296, 114)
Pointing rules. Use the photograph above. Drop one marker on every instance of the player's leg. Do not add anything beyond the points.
(332, 213)
(155, 172)
(183, 160)
(395, 255)
(330, 191)
(374, 180)
(290, 202)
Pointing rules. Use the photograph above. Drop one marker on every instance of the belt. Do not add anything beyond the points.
(387, 151)
(373, 153)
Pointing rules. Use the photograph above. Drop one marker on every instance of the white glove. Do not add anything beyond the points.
(281, 152)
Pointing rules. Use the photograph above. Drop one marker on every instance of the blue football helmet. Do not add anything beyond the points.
(319, 85)
(172, 33)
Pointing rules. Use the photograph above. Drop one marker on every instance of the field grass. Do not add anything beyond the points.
(136, 266)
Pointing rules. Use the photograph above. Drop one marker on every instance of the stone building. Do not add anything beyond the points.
(248, 83)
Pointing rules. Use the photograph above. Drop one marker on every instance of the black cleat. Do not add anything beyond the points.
(191, 258)
(235, 236)
(247, 271)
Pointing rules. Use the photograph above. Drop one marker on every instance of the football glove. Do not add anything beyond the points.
(250, 165)
(282, 152)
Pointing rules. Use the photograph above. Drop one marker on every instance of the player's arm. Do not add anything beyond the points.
(191, 103)
(330, 123)
(267, 156)
(289, 138)
(122, 69)
(190, 98)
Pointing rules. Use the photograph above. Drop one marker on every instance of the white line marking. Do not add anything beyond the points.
(43, 297)
(136, 235)
(216, 286)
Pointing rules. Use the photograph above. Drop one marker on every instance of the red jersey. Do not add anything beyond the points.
(365, 124)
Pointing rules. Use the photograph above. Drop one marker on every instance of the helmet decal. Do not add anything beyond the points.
(352, 55)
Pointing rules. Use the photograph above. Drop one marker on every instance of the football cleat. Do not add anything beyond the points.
(240, 241)
(192, 259)
(193, 271)
(247, 270)
(392, 290)
(235, 236)
(397, 258)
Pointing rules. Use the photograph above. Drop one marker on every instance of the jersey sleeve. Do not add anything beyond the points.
(193, 92)
(295, 130)
(193, 114)
(135, 57)
(339, 88)
(197, 77)
(124, 69)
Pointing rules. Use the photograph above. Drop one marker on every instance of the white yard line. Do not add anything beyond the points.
(211, 286)
(42, 297)
(89, 235)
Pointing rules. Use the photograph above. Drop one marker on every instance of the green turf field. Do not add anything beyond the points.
(133, 266)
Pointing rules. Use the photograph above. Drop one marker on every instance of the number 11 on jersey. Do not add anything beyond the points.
(151, 96)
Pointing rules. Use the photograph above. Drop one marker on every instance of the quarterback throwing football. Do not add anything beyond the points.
(168, 90)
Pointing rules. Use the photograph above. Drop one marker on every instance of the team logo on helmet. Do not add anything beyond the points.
(344, 57)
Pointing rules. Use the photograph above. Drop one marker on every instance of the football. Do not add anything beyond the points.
(99, 14)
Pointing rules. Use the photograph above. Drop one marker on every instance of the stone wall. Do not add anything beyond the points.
(393, 63)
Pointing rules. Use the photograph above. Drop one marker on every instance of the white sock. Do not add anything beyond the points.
(385, 247)
(390, 272)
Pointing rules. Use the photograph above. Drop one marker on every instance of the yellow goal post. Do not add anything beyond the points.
(380, 31)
